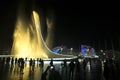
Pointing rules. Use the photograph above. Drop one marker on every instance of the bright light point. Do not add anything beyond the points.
(103, 53)
(71, 49)
(101, 50)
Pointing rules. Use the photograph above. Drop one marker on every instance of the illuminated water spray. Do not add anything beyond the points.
(27, 38)
(50, 21)
(28, 41)
(50, 33)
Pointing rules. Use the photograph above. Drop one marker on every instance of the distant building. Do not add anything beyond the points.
(85, 49)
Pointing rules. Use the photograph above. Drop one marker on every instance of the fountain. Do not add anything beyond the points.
(28, 40)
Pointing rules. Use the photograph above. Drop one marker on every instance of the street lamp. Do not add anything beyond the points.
(71, 50)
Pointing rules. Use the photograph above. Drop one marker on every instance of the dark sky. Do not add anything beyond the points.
(74, 23)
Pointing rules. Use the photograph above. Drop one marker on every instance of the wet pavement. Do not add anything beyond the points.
(59, 71)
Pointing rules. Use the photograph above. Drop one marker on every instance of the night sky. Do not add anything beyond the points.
(74, 24)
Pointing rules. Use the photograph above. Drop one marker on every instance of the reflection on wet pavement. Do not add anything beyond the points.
(58, 70)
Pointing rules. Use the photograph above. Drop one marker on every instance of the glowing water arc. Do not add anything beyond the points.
(28, 40)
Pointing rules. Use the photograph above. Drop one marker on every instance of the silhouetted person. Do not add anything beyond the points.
(15, 60)
(65, 63)
(30, 63)
(37, 60)
(44, 75)
(53, 74)
(77, 70)
(12, 60)
(71, 73)
(8, 60)
(42, 64)
(107, 70)
(33, 65)
(25, 59)
(51, 62)
(3, 60)
(65, 66)
(63, 70)
(22, 65)
(84, 64)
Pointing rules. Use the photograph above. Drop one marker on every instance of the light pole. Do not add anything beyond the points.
(71, 50)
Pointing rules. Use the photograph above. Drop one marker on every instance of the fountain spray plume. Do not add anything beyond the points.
(50, 20)
(27, 41)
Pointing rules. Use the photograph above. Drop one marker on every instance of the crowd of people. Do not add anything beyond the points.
(72, 69)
